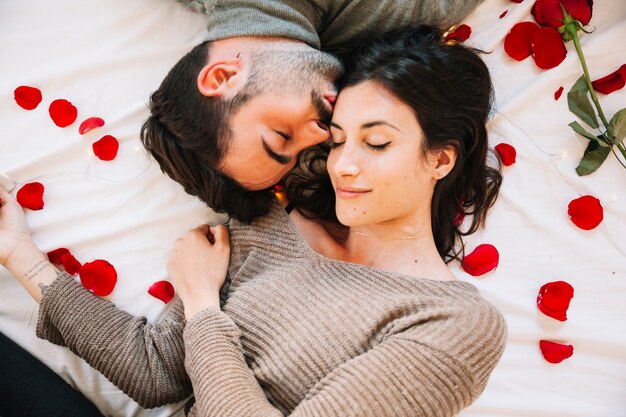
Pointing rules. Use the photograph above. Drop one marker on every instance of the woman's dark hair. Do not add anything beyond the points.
(449, 88)
(187, 133)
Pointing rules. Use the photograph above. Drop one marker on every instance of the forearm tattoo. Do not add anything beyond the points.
(36, 269)
(43, 288)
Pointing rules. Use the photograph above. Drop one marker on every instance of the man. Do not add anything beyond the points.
(231, 117)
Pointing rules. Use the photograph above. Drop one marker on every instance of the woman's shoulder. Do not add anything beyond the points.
(322, 237)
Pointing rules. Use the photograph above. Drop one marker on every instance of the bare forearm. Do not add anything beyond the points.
(32, 269)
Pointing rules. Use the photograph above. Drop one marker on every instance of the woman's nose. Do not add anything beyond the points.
(344, 162)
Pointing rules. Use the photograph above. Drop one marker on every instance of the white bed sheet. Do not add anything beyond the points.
(106, 57)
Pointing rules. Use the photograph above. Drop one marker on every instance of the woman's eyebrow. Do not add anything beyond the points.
(369, 125)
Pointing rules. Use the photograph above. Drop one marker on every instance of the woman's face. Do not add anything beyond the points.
(377, 167)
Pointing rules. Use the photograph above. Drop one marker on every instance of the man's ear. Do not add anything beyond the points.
(222, 78)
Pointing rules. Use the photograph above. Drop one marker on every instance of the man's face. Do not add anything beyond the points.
(292, 96)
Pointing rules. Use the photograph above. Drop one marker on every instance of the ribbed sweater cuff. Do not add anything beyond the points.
(54, 303)
(211, 320)
(222, 381)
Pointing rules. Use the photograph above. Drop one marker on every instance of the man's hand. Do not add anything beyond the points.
(18, 252)
(198, 265)
(14, 231)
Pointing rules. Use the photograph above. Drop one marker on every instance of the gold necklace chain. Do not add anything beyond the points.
(389, 238)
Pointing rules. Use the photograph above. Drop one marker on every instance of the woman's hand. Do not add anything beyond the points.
(14, 231)
(198, 265)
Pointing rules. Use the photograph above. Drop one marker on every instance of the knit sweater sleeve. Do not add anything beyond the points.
(146, 361)
(404, 375)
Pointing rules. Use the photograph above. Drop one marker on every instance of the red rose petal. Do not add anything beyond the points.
(517, 1)
(612, 82)
(507, 153)
(91, 123)
(548, 48)
(548, 12)
(99, 277)
(62, 112)
(27, 97)
(585, 212)
(557, 93)
(71, 264)
(30, 196)
(458, 219)
(163, 290)
(460, 34)
(106, 148)
(503, 14)
(54, 256)
(554, 298)
(483, 259)
(517, 43)
(580, 10)
(555, 352)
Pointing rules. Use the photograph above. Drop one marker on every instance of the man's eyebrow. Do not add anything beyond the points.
(369, 125)
(278, 157)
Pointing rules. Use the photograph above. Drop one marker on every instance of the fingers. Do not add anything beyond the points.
(5, 197)
(220, 234)
(203, 229)
(214, 234)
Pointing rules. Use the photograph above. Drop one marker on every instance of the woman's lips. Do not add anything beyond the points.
(350, 192)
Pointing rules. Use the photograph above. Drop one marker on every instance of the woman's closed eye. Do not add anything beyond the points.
(378, 147)
(374, 147)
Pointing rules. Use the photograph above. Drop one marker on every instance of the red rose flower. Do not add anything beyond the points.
(99, 277)
(460, 34)
(30, 196)
(54, 256)
(62, 112)
(517, 43)
(106, 148)
(585, 212)
(91, 123)
(555, 352)
(549, 13)
(163, 290)
(554, 298)
(27, 97)
(612, 82)
(547, 48)
(507, 153)
(483, 259)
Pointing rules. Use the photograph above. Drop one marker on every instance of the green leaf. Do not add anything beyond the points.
(617, 126)
(594, 157)
(579, 103)
(581, 131)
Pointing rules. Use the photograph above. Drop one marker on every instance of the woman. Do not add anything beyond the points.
(321, 315)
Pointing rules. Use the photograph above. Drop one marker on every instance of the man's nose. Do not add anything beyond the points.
(314, 133)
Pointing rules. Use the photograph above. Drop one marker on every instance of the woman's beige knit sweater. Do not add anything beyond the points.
(298, 335)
